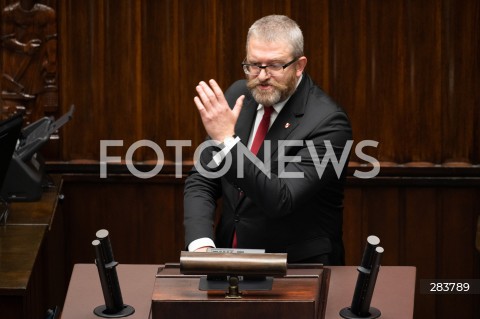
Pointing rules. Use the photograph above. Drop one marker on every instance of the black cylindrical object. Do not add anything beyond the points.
(114, 307)
(364, 274)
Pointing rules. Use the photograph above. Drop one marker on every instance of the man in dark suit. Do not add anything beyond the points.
(293, 203)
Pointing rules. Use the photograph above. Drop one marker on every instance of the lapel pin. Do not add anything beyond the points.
(287, 125)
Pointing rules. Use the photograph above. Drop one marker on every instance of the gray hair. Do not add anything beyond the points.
(277, 28)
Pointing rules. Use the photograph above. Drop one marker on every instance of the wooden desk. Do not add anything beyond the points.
(31, 258)
(41, 212)
(19, 248)
(394, 291)
(393, 295)
(85, 293)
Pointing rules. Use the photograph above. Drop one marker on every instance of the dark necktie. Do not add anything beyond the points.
(257, 142)
(262, 129)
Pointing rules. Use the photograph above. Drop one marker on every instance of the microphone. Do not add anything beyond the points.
(367, 277)
(106, 265)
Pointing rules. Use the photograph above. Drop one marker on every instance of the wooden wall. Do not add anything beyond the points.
(406, 71)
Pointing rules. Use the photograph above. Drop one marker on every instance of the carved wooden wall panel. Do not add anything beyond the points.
(28, 59)
(399, 68)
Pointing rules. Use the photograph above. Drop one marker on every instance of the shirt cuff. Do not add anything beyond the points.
(201, 242)
(218, 158)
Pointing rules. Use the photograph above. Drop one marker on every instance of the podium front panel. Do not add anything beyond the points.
(301, 293)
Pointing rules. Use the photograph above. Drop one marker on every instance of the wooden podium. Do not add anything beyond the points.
(302, 293)
(394, 292)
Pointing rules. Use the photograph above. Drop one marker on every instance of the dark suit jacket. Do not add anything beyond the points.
(299, 216)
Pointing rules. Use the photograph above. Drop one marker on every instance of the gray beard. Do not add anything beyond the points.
(265, 98)
(280, 93)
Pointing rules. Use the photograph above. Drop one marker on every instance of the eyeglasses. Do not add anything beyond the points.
(273, 69)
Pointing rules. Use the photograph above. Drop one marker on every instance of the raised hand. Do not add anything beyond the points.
(217, 117)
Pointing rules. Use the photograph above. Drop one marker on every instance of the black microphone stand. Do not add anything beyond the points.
(367, 277)
(114, 306)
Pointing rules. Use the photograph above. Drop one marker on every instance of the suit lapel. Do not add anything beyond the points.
(284, 124)
(288, 119)
(246, 119)
(243, 128)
